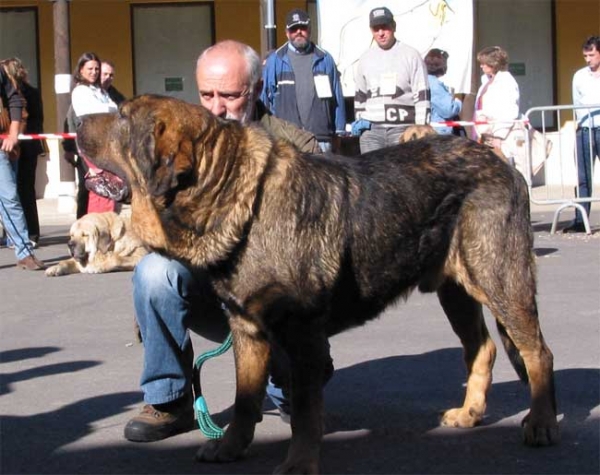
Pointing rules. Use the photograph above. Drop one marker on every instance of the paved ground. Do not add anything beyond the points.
(69, 369)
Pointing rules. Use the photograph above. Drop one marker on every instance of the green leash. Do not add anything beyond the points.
(205, 423)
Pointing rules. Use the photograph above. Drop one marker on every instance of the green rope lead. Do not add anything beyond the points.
(205, 423)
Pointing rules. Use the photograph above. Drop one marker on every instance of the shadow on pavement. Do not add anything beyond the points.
(382, 417)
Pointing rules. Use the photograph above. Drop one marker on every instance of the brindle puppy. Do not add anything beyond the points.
(300, 247)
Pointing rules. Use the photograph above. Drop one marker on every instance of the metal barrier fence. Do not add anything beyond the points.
(556, 182)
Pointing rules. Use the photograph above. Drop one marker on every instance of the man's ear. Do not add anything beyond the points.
(258, 88)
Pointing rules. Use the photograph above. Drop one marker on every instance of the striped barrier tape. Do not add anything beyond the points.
(447, 123)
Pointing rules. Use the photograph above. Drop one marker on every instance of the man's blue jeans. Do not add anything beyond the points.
(11, 210)
(169, 301)
(585, 159)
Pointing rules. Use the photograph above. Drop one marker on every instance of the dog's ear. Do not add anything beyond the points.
(173, 157)
(117, 229)
(105, 242)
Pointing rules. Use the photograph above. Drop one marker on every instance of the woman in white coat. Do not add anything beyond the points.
(497, 99)
(88, 97)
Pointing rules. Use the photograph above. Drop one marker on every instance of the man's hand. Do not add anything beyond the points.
(359, 126)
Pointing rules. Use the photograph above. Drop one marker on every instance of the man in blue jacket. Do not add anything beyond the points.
(301, 83)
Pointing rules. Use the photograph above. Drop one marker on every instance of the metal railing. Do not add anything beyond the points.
(560, 183)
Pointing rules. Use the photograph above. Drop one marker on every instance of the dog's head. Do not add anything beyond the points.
(93, 233)
(190, 173)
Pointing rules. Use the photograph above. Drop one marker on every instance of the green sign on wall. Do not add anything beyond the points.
(173, 84)
(517, 69)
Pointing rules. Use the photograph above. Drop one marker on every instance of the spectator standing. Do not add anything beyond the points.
(11, 211)
(171, 299)
(70, 155)
(392, 91)
(107, 76)
(30, 149)
(443, 104)
(301, 83)
(586, 91)
(497, 100)
(88, 97)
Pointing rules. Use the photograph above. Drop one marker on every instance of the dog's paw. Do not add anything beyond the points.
(540, 434)
(461, 417)
(217, 451)
(54, 271)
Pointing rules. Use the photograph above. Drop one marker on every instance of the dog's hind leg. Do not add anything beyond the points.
(466, 317)
(251, 350)
(498, 270)
(517, 320)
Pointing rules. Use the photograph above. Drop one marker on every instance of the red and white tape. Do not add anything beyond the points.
(447, 123)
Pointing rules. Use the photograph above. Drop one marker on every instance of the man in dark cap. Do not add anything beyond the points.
(392, 91)
(301, 83)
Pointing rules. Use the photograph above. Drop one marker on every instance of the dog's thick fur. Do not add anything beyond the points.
(301, 247)
(99, 243)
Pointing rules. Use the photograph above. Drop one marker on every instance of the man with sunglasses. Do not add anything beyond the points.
(171, 299)
(302, 83)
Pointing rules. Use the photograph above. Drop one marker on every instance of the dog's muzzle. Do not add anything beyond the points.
(108, 185)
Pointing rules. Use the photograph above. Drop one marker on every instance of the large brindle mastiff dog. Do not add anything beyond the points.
(300, 247)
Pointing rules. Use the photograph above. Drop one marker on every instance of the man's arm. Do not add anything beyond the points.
(340, 109)
(422, 94)
(269, 82)
(303, 140)
(360, 88)
(16, 103)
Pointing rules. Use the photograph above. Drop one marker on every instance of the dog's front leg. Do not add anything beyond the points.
(309, 362)
(251, 350)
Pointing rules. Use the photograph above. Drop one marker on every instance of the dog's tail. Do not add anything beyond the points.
(513, 353)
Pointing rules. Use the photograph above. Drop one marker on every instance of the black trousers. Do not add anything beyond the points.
(30, 149)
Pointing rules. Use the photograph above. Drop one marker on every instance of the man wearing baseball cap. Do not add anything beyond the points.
(301, 83)
(392, 91)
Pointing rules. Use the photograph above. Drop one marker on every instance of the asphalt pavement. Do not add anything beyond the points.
(70, 366)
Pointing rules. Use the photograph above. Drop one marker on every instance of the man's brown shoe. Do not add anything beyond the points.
(157, 422)
(31, 263)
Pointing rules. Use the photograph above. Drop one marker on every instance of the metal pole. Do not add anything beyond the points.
(62, 71)
(271, 26)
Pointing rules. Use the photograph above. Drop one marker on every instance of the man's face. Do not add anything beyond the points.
(223, 86)
(299, 36)
(592, 59)
(384, 35)
(107, 75)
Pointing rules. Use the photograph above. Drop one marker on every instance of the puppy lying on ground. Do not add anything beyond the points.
(99, 243)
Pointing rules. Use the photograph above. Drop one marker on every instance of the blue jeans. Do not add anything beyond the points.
(584, 165)
(379, 137)
(11, 210)
(170, 300)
